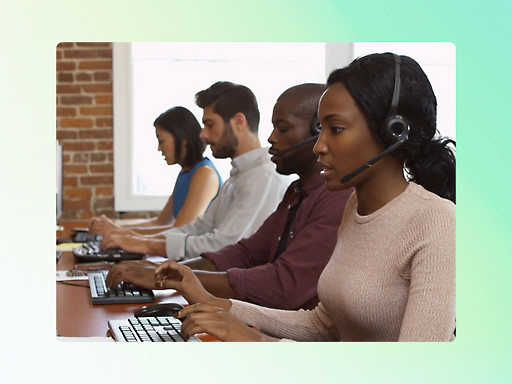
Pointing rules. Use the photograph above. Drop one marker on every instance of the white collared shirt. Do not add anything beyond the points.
(250, 194)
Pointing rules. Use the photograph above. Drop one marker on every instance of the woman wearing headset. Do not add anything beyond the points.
(392, 273)
(177, 131)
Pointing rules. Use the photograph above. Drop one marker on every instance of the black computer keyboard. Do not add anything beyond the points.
(124, 293)
(148, 329)
(91, 252)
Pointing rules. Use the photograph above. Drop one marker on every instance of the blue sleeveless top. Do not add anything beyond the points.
(183, 182)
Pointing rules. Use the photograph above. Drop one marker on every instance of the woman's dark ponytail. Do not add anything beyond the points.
(434, 168)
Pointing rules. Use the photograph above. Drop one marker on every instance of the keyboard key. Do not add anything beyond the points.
(177, 338)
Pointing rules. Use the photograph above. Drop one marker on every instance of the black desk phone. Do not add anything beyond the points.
(91, 251)
(81, 235)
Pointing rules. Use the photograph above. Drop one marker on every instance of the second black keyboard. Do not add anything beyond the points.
(124, 293)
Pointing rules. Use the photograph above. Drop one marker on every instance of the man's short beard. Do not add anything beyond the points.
(227, 145)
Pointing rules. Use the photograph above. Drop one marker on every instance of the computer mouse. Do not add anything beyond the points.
(158, 310)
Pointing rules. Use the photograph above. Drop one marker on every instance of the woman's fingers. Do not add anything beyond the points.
(209, 321)
(170, 269)
(196, 308)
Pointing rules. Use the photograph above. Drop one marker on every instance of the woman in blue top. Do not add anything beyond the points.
(198, 182)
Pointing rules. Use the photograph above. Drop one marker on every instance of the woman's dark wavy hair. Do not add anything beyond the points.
(182, 124)
(429, 159)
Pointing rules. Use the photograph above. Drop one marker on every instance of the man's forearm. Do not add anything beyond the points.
(216, 283)
(200, 263)
(153, 230)
(155, 247)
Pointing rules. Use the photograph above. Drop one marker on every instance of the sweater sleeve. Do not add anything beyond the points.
(430, 309)
(301, 325)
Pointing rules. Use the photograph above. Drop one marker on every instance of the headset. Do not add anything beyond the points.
(314, 129)
(395, 128)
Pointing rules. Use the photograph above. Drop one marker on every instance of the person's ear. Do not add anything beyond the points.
(239, 122)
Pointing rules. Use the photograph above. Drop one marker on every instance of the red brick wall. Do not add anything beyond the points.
(84, 129)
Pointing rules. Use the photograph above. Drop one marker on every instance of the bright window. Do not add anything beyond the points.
(162, 75)
(152, 77)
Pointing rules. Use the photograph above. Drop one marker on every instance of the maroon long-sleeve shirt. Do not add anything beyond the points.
(290, 281)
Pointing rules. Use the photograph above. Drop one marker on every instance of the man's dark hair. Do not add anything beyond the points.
(305, 98)
(228, 99)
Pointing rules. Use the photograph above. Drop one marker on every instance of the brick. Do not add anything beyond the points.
(70, 181)
(76, 123)
(105, 53)
(66, 135)
(64, 45)
(74, 168)
(103, 99)
(111, 156)
(69, 216)
(95, 134)
(74, 193)
(76, 100)
(66, 66)
(62, 111)
(68, 89)
(76, 204)
(97, 111)
(98, 157)
(101, 168)
(97, 180)
(107, 202)
(104, 122)
(104, 191)
(65, 77)
(80, 158)
(101, 76)
(103, 64)
(59, 55)
(97, 88)
(94, 44)
(87, 53)
(86, 215)
(105, 145)
(79, 146)
(82, 76)
(65, 158)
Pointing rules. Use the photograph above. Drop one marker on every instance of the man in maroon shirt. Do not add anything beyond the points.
(279, 265)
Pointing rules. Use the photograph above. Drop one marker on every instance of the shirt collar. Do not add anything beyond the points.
(312, 185)
(249, 160)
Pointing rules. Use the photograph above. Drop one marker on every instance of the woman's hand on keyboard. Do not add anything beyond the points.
(171, 274)
(140, 273)
(202, 318)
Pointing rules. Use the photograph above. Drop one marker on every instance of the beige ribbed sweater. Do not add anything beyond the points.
(391, 278)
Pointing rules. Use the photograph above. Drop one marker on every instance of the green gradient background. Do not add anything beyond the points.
(29, 32)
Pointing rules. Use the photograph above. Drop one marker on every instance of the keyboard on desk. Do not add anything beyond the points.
(124, 293)
(91, 252)
(147, 329)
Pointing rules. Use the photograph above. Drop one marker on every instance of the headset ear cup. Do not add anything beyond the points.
(314, 127)
(395, 128)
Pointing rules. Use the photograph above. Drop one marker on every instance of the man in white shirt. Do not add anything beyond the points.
(245, 200)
